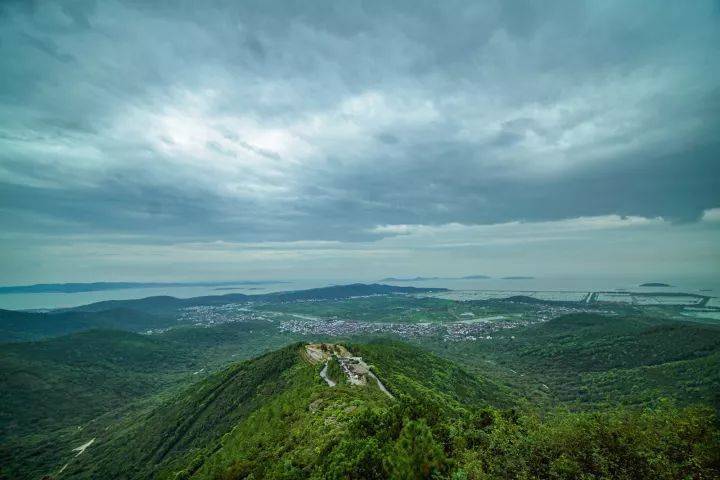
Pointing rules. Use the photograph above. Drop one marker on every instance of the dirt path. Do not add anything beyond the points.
(380, 385)
(356, 370)
(323, 374)
(81, 448)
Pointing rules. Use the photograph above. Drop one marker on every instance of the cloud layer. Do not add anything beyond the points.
(168, 122)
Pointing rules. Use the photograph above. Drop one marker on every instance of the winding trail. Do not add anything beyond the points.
(81, 449)
(323, 374)
(380, 385)
(356, 370)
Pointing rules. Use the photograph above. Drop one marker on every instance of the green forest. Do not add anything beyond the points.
(609, 393)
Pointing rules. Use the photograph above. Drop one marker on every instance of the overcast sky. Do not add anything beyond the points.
(237, 140)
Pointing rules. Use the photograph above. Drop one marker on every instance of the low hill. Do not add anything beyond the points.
(590, 359)
(161, 304)
(343, 291)
(166, 304)
(588, 342)
(23, 326)
(693, 380)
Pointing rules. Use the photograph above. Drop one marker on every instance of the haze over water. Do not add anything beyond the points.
(706, 286)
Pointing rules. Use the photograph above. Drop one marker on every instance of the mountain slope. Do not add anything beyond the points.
(695, 380)
(275, 417)
(23, 326)
(77, 377)
(414, 372)
(590, 359)
(588, 342)
(188, 424)
(56, 392)
(184, 431)
(53, 392)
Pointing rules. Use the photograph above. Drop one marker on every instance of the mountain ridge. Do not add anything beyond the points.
(274, 417)
(322, 293)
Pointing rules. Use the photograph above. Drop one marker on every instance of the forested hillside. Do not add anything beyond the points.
(589, 360)
(274, 417)
(479, 389)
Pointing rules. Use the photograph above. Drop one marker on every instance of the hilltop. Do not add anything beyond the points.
(200, 428)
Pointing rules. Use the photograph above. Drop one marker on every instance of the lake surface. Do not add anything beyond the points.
(26, 301)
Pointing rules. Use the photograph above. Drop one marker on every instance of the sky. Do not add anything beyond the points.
(185, 140)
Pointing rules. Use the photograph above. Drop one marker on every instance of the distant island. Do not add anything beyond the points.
(423, 279)
(408, 279)
(238, 288)
(518, 278)
(655, 284)
(104, 286)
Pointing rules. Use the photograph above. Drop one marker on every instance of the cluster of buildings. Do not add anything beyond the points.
(208, 315)
(339, 328)
(355, 369)
(469, 328)
(549, 312)
(480, 330)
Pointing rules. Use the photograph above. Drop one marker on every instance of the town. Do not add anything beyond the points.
(470, 328)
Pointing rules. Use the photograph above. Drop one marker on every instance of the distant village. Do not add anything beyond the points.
(469, 328)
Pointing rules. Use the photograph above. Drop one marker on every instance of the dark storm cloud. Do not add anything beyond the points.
(321, 120)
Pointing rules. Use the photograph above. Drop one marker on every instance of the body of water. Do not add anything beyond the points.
(32, 301)
(704, 286)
